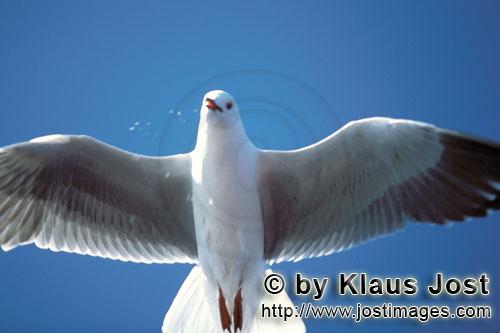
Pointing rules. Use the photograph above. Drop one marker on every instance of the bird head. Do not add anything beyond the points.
(219, 106)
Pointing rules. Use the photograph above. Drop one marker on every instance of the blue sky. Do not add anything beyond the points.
(299, 69)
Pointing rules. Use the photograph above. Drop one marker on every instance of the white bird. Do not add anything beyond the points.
(230, 208)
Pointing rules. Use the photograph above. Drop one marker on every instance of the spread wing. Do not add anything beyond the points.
(76, 194)
(366, 180)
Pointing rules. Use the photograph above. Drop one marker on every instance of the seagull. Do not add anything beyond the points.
(231, 209)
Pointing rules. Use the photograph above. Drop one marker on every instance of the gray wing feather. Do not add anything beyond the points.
(367, 180)
(76, 194)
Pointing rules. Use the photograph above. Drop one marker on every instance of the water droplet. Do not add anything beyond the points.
(131, 128)
(137, 123)
(179, 113)
(167, 175)
(171, 111)
(210, 201)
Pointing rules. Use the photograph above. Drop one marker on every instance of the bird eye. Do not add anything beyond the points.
(229, 105)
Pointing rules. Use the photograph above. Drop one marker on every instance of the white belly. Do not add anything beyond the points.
(228, 222)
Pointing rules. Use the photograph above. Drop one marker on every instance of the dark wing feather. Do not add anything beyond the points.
(367, 179)
(76, 194)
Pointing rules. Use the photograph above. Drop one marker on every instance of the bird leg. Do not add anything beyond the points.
(238, 312)
(225, 320)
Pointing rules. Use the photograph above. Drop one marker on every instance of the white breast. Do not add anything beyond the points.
(226, 207)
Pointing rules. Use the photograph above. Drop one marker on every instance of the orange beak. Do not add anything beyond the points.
(212, 105)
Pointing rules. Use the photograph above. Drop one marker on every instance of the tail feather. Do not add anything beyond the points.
(194, 310)
(189, 312)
